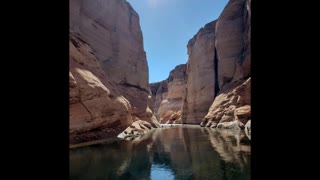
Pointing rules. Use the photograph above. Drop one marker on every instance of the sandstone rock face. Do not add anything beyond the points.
(217, 91)
(97, 109)
(176, 82)
(200, 88)
(171, 117)
(219, 70)
(170, 108)
(136, 129)
(248, 129)
(243, 113)
(168, 100)
(159, 92)
(231, 105)
(233, 36)
(108, 70)
(112, 29)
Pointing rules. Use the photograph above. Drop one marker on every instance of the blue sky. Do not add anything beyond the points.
(167, 26)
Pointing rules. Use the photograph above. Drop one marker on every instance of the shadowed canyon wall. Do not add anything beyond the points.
(109, 87)
(218, 72)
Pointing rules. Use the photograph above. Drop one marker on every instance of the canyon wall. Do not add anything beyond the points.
(159, 92)
(217, 92)
(168, 94)
(232, 107)
(109, 87)
(200, 88)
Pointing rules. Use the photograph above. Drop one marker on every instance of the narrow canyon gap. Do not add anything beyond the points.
(109, 90)
(218, 74)
(195, 124)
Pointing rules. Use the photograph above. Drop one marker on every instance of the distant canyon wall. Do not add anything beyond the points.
(168, 94)
(108, 75)
(217, 78)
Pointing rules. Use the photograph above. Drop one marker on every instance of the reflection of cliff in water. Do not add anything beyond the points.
(184, 152)
(232, 145)
(121, 160)
(189, 153)
(202, 153)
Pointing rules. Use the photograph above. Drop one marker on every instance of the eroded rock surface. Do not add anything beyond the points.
(231, 105)
(108, 70)
(168, 96)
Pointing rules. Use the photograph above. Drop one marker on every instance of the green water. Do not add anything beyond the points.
(179, 152)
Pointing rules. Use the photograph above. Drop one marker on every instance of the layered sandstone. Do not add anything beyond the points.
(231, 106)
(108, 70)
(168, 101)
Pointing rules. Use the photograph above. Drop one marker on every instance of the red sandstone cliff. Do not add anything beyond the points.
(109, 87)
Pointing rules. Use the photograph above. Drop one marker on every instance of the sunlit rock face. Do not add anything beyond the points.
(168, 94)
(170, 108)
(112, 29)
(136, 130)
(159, 91)
(231, 108)
(97, 109)
(108, 70)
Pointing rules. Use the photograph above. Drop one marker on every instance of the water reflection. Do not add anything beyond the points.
(181, 152)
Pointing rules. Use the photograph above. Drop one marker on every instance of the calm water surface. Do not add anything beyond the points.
(179, 152)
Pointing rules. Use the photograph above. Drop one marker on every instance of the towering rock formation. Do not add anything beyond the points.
(232, 106)
(168, 101)
(108, 70)
(200, 89)
(233, 42)
(218, 74)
